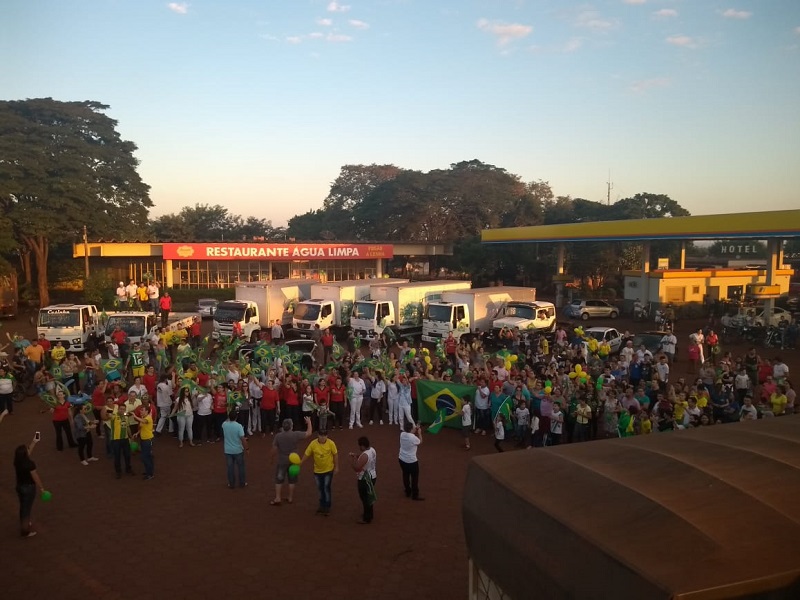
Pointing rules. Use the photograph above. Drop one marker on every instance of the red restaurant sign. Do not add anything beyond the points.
(278, 252)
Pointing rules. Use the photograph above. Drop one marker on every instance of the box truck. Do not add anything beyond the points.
(141, 325)
(258, 305)
(76, 326)
(399, 306)
(465, 312)
(331, 304)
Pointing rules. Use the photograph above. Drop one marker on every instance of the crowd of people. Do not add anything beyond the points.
(534, 391)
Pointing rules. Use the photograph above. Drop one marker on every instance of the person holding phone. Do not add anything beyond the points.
(28, 481)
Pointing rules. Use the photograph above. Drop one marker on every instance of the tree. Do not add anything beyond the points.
(63, 165)
(647, 206)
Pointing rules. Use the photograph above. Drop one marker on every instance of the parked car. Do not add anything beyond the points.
(206, 307)
(584, 309)
(650, 339)
(777, 314)
(604, 334)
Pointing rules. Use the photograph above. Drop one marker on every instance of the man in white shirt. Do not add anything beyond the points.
(277, 333)
(131, 290)
(164, 391)
(357, 389)
(699, 338)
(741, 384)
(626, 354)
(152, 295)
(779, 370)
(256, 389)
(122, 293)
(662, 368)
(410, 439)
(668, 345)
(483, 412)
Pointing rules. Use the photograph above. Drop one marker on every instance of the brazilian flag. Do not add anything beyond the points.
(434, 397)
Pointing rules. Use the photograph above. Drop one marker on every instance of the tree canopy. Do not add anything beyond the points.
(63, 165)
(205, 223)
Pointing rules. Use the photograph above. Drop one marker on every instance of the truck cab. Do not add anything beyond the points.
(243, 312)
(443, 317)
(137, 326)
(536, 317)
(309, 313)
(76, 326)
(371, 317)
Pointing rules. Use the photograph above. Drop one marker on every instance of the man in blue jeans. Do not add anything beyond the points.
(235, 445)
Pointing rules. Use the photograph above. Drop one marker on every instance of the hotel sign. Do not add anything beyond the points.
(279, 252)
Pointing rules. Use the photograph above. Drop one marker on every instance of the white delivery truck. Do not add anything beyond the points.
(258, 305)
(330, 305)
(142, 325)
(531, 317)
(399, 306)
(465, 312)
(76, 326)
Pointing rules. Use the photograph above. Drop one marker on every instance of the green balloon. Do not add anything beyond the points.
(46, 496)
(134, 447)
(294, 470)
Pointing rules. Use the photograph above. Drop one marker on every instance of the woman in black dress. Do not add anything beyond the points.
(28, 482)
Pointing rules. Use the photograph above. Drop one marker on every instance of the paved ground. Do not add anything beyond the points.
(185, 534)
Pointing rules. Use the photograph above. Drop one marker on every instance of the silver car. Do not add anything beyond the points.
(584, 309)
(206, 307)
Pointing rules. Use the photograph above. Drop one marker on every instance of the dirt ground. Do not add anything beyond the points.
(185, 534)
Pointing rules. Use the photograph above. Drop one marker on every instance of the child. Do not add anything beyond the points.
(499, 431)
(522, 416)
(556, 425)
(466, 420)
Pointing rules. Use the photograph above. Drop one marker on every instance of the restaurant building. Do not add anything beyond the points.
(208, 265)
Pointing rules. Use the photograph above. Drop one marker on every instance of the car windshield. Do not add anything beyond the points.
(651, 341)
(439, 312)
(523, 312)
(132, 325)
(306, 312)
(226, 313)
(59, 317)
(364, 310)
(598, 335)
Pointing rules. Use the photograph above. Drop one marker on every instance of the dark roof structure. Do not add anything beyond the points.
(700, 514)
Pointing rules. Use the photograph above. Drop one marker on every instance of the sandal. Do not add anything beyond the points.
(273, 503)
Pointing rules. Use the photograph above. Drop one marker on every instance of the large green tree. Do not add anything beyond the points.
(63, 165)
(210, 223)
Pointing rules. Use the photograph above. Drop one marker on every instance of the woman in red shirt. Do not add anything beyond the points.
(269, 405)
(62, 420)
(292, 400)
(338, 398)
(98, 403)
(219, 410)
(149, 381)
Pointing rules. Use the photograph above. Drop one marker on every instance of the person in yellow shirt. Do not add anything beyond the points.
(778, 401)
(142, 298)
(326, 465)
(58, 353)
(679, 408)
(145, 420)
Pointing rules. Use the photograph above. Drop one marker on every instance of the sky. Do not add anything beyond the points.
(256, 105)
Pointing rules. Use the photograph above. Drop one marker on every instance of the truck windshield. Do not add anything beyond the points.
(59, 317)
(520, 310)
(131, 324)
(229, 314)
(439, 312)
(306, 312)
(364, 310)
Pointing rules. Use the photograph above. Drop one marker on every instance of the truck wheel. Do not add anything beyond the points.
(254, 337)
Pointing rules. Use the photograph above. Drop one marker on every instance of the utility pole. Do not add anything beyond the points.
(609, 187)
(85, 253)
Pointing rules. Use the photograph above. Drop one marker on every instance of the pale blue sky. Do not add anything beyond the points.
(257, 105)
